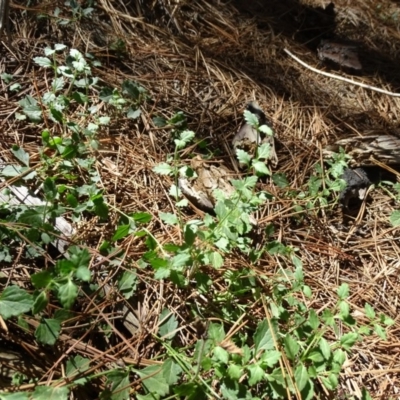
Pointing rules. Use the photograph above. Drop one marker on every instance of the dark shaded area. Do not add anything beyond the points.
(288, 17)
(358, 180)
(357, 184)
(308, 26)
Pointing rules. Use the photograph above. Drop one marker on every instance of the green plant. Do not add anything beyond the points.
(256, 162)
(68, 182)
(290, 350)
(78, 11)
(205, 241)
(260, 334)
(326, 182)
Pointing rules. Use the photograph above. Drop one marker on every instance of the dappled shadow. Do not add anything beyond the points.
(308, 26)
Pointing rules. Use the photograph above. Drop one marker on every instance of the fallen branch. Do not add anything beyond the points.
(340, 78)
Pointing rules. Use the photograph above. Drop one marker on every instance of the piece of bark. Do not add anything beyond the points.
(383, 147)
(209, 178)
(345, 55)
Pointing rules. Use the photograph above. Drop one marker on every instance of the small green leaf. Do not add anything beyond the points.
(11, 171)
(50, 393)
(328, 317)
(216, 260)
(307, 291)
(216, 332)
(21, 155)
(299, 267)
(185, 138)
(56, 114)
(364, 395)
(189, 391)
(291, 347)
(142, 217)
(153, 380)
(182, 203)
(256, 374)
(101, 209)
(41, 279)
(243, 157)
(298, 274)
(343, 291)
(118, 382)
(369, 311)
(79, 256)
(159, 121)
(222, 243)
(180, 260)
(261, 168)
(121, 232)
(40, 303)
(67, 294)
(48, 331)
(65, 267)
(190, 234)
(272, 357)
(168, 218)
(280, 180)
(7, 78)
(14, 301)
(171, 371)
(264, 151)
(127, 284)
(234, 372)
(251, 118)
(83, 273)
(395, 218)
(163, 169)
(43, 62)
(331, 382)
(339, 357)
(344, 309)
(175, 192)
(266, 129)
(380, 331)
(31, 108)
(33, 217)
(325, 348)
(364, 330)
(161, 272)
(168, 326)
(133, 114)
(315, 356)
(220, 354)
(263, 339)
(348, 340)
(301, 377)
(386, 320)
(75, 366)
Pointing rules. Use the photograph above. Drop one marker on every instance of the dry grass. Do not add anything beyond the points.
(208, 58)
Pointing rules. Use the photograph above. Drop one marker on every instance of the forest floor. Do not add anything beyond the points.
(208, 59)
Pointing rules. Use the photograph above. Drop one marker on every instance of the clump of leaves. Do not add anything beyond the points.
(205, 241)
(256, 162)
(326, 182)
